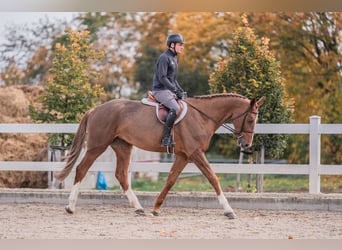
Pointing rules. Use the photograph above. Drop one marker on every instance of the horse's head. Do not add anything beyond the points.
(244, 123)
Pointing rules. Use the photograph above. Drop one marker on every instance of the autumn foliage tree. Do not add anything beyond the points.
(205, 37)
(69, 93)
(154, 29)
(252, 71)
(312, 43)
(309, 48)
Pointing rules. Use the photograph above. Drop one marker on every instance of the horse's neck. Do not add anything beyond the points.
(221, 108)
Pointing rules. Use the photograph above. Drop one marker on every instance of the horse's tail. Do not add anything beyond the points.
(75, 148)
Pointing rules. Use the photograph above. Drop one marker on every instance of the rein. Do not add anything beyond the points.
(234, 131)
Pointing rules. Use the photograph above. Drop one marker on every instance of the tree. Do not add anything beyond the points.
(154, 29)
(11, 75)
(313, 44)
(205, 37)
(94, 21)
(309, 48)
(27, 50)
(69, 93)
(116, 33)
(253, 71)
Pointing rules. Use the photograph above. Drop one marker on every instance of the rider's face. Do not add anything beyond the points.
(179, 48)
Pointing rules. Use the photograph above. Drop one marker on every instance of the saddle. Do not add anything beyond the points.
(162, 111)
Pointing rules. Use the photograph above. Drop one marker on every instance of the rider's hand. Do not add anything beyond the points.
(179, 94)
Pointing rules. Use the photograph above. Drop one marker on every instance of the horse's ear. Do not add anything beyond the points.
(252, 103)
(260, 101)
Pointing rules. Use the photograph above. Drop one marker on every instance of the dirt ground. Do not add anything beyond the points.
(44, 221)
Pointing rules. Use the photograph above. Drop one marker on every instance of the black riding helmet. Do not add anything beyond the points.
(174, 38)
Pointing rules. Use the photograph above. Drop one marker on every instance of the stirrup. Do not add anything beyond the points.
(170, 149)
(169, 145)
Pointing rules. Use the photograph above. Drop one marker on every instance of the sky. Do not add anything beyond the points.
(20, 18)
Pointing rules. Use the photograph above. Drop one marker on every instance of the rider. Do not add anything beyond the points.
(165, 88)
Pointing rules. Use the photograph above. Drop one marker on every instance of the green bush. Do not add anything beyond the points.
(252, 71)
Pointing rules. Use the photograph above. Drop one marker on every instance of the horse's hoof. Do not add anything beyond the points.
(68, 209)
(140, 212)
(155, 213)
(230, 215)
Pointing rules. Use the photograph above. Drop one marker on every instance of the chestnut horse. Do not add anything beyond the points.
(123, 124)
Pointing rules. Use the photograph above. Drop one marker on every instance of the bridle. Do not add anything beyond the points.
(234, 131)
(228, 127)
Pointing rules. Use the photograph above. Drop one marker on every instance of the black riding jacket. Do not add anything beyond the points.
(166, 72)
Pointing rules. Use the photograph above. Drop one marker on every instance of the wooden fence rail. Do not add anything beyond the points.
(313, 169)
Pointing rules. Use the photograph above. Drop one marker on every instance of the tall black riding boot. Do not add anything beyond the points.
(170, 120)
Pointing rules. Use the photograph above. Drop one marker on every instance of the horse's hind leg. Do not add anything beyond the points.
(123, 155)
(81, 171)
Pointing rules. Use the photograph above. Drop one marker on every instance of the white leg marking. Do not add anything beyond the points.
(224, 203)
(132, 198)
(73, 197)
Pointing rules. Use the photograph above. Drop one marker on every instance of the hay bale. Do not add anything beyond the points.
(14, 101)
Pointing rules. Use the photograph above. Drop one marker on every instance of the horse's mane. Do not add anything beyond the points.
(220, 95)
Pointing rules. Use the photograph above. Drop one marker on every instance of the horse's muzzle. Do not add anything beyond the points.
(242, 143)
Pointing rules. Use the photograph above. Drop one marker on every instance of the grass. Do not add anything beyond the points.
(283, 183)
(272, 183)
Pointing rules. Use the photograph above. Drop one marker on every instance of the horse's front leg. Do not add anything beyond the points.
(198, 158)
(177, 167)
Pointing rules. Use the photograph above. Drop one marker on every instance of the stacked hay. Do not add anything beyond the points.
(14, 102)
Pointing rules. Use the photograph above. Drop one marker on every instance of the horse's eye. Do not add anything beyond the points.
(250, 121)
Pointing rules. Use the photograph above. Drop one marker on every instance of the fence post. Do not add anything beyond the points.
(260, 159)
(238, 176)
(315, 155)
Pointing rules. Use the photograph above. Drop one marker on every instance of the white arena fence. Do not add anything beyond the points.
(314, 169)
